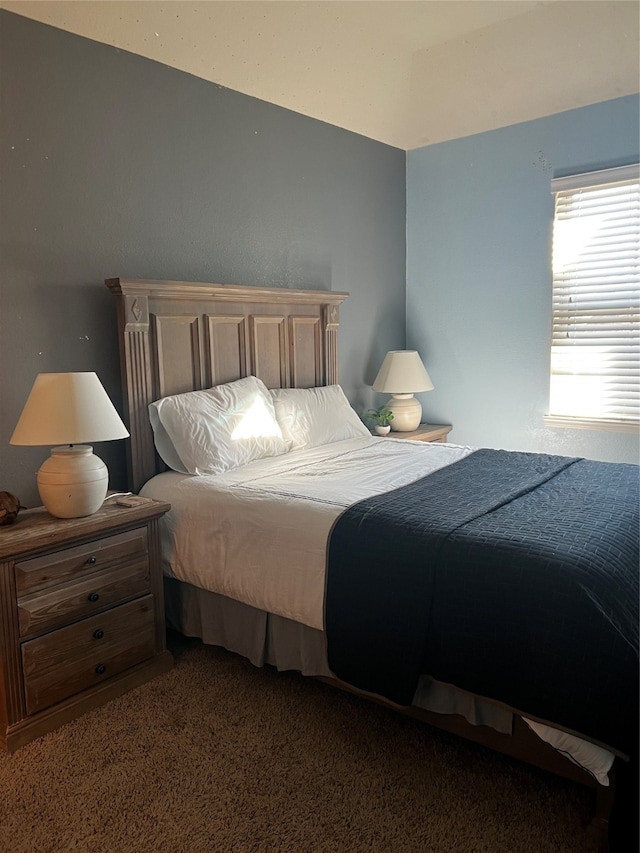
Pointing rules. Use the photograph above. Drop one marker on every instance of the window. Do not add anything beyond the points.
(595, 346)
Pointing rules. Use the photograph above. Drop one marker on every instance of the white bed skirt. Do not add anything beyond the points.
(263, 638)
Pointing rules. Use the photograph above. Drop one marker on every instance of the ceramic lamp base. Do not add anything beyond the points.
(407, 412)
(73, 482)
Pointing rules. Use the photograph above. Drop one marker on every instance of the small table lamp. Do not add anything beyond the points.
(402, 375)
(68, 409)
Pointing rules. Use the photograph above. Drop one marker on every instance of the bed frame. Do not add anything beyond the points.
(181, 336)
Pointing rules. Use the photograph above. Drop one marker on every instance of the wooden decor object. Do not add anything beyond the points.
(81, 614)
(178, 336)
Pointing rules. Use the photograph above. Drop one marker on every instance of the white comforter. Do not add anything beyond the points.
(258, 534)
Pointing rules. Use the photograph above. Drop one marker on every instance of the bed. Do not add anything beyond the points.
(258, 549)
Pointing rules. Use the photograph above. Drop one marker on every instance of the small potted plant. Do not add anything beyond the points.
(381, 417)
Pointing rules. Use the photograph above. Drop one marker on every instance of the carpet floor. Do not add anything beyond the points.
(217, 756)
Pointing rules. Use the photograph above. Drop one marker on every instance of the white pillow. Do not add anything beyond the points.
(212, 431)
(163, 443)
(309, 417)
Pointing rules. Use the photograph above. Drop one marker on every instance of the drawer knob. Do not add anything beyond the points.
(94, 596)
(91, 561)
(98, 634)
(101, 669)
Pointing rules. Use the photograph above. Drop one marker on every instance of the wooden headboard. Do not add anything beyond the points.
(178, 336)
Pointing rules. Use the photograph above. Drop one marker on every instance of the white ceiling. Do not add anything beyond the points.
(404, 72)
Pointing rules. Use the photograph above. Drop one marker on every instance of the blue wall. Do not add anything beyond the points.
(114, 165)
(479, 219)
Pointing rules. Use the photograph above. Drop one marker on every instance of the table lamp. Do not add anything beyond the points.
(403, 374)
(69, 409)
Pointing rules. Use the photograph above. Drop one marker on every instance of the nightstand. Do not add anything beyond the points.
(81, 614)
(426, 432)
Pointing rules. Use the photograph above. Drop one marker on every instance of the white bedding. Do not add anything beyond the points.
(258, 534)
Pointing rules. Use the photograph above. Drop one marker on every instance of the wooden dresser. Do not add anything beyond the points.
(436, 433)
(81, 614)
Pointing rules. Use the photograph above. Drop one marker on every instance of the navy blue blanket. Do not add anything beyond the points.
(511, 575)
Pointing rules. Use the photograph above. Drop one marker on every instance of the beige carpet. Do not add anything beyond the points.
(217, 756)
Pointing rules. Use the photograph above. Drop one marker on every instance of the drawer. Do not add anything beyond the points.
(80, 656)
(62, 566)
(89, 593)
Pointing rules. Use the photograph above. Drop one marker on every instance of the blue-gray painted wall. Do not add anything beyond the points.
(479, 221)
(114, 165)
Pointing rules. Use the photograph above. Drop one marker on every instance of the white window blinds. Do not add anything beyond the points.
(595, 348)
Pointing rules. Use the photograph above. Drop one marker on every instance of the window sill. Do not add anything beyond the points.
(567, 422)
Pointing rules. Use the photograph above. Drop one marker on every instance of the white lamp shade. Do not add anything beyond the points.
(69, 409)
(402, 372)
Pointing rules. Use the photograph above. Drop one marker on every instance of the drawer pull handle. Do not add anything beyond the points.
(98, 634)
(101, 669)
(92, 561)
(94, 596)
